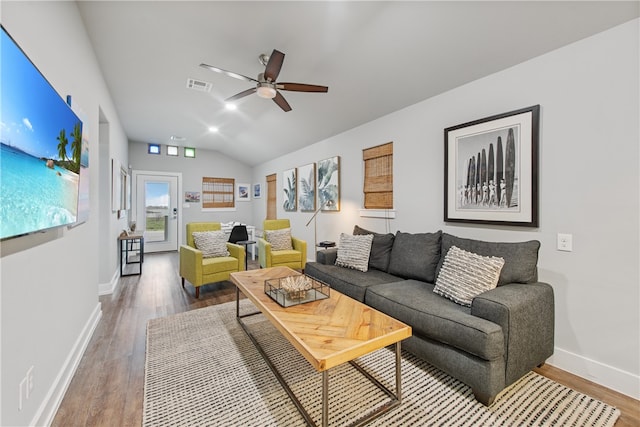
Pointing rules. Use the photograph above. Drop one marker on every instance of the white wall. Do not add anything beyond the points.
(206, 163)
(49, 281)
(589, 177)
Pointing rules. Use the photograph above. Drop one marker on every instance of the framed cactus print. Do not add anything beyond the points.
(289, 188)
(491, 170)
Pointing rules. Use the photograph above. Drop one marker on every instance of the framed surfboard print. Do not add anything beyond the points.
(491, 169)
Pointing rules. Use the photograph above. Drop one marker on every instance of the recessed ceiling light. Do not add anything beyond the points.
(213, 129)
(230, 106)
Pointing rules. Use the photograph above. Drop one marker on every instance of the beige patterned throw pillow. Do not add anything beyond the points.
(353, 251)
(465, 275)
(280, 239)
(211, 243)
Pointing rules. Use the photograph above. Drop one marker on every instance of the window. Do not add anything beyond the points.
(378, 176)
(172, 150)
(153, 149)
(218, 192)
(189, 152)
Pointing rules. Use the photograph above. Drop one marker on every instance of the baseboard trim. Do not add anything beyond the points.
(47, 410)
(600, 373)
(109, 288)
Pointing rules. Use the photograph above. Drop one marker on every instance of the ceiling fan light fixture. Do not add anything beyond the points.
(266, 92)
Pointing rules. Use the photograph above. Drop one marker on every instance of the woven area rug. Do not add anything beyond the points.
(202, 370)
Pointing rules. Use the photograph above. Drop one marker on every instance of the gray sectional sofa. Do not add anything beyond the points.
(506, 332)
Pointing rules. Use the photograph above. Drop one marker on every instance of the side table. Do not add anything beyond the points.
(246, 244)
(133, 242)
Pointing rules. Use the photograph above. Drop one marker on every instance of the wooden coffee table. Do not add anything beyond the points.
(343, 330)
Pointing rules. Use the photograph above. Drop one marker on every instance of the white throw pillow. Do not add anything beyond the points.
(353, 251)
(280, 239)
(465, 275)
(211, 243)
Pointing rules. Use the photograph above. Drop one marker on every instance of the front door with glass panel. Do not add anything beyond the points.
(157, 210)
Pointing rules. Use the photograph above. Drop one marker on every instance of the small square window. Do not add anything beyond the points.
(189, 152)
(154, 149)
(172, 150)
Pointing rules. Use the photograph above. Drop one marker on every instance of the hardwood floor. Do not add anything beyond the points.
(107, 389)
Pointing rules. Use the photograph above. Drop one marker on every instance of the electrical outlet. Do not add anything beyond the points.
(565, 242)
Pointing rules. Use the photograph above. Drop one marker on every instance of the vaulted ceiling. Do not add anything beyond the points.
(375, 57)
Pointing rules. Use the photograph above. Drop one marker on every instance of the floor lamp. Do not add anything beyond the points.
(328, 203)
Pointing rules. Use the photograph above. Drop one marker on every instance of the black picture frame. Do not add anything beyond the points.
(491, 169)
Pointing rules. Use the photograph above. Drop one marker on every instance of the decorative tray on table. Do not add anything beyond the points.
(294, 290)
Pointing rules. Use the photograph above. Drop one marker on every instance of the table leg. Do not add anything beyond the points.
(398, 372)
(237, 302)
(325, 398)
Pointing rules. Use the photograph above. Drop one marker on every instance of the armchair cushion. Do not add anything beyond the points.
(280, 239)
(211, 243)
(219, 264)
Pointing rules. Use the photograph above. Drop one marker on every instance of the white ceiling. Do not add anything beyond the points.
(376, 58)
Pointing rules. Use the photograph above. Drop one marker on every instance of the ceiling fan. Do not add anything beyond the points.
(266, 85)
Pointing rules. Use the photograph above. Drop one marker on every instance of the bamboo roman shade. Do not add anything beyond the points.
(378, 176)
(217, 192)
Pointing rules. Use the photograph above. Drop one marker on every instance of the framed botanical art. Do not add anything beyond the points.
(491, 170)
(243, 192)
(307, 188)
(328, 186)
(289, 188)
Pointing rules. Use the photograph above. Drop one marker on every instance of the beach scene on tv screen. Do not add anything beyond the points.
(40, 149)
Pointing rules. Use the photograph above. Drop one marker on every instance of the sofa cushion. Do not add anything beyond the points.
(353, 251)
(520, 259)
(434, 317)
(465, 275)
(415, 255)
(352, 283)
(211, 243)
(280, 239)
(380, 248)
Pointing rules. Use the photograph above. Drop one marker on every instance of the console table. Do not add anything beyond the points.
(131, 243)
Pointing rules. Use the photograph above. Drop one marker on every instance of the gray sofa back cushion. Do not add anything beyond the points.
(520, 259)
(380, 248)
(415, 255)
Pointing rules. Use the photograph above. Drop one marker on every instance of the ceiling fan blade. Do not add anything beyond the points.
(228, 73)
(301, 87)
(282, 103)
(274, 65)
(241, 95)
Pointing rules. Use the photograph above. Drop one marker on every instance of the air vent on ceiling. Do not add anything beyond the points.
(198, 85)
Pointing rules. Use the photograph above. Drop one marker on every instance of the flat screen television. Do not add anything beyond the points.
(41, 148)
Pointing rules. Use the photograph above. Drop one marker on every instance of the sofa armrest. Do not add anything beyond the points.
(191, 264)
(264, 252)
(526, 314)
(238, 252)
(300, 245)
(327, 256)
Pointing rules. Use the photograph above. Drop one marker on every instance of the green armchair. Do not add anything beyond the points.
(295, 258)
(200, 271)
